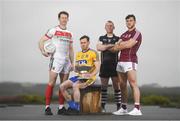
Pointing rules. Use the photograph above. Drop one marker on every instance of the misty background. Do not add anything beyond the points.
(23, 22)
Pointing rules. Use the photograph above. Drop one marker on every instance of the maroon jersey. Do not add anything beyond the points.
(129, 55)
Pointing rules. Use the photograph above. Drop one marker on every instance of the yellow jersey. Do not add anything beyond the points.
(85, 62)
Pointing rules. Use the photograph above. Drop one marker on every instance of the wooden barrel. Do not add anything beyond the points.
(90, 101)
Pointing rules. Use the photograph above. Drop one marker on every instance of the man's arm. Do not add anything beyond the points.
(41, 45)
(102, 47)
(127, 44)
(71, 54)
(96, 70)
(123, 45)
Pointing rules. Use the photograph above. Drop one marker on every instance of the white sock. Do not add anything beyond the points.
(136, 103)
(47, 106)
(61, 106)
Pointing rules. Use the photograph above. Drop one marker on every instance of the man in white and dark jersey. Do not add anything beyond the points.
(109, 62)
(129, 44)
(62, 60)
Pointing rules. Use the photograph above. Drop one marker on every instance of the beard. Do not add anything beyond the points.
(130, 27)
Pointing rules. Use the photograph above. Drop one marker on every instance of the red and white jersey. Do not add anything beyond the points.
(129, 55)
(62, 39)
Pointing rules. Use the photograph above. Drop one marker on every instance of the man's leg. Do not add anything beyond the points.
(104, 96)
(117, 91)
(76, 95)
(63, 88)
(136, 93)
(134, 86)
(63, 77)
(124, 92)
(123, 86)
(49, 91)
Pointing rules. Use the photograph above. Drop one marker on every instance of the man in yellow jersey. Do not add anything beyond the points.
(87, 66)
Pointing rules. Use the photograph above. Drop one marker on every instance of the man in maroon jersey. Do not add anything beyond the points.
(129, 44)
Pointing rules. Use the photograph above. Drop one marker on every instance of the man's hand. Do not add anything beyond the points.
(103, 47)
(86, 75)
(123, 45)
(115, 48)
(72, 67)
(110, 45)
(83, 85)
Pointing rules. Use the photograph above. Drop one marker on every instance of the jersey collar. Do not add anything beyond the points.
(132, 30)
(61, 28)
(109, 37)
(85, 50)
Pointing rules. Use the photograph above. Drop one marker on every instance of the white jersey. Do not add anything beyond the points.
(62, 39)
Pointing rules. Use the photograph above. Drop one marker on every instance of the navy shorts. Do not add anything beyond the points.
(74, 79)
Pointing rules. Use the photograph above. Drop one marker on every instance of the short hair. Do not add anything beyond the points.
(63, 12)
(129, 16)
(109, 21)
(85, 37)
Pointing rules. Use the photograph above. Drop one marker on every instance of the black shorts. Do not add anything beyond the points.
(108, 70)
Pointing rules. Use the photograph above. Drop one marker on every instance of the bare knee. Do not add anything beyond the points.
(62, 87)
(133, 83)
(52, 78)
(52, 83)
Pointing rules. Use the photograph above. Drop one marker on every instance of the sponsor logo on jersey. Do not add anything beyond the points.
(82, 61)
(63, 34)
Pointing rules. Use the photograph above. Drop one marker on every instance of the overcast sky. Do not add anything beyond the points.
(23, 22)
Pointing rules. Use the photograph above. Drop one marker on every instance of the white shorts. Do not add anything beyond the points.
(126, 66)
(59, 66)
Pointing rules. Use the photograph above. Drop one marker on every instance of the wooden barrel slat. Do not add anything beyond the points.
(91, 99)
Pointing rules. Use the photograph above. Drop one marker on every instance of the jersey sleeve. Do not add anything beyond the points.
(117, 39)
(100, 39)
(121, 36)
(95, 56)
(50, 33)
(137, 36)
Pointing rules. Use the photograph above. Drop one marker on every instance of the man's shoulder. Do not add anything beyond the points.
(126, 32)
(79, 52)
(102, 37)
(93, 51)
(137, 31)
(116, 37)
(52, 29)
(59, 29)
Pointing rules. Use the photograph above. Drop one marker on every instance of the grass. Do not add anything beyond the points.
(159, 100)
(23, 99)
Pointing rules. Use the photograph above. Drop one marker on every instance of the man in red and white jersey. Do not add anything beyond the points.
(62, 60)
(129, 44)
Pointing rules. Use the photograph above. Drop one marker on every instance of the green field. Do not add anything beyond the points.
(16, 93)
